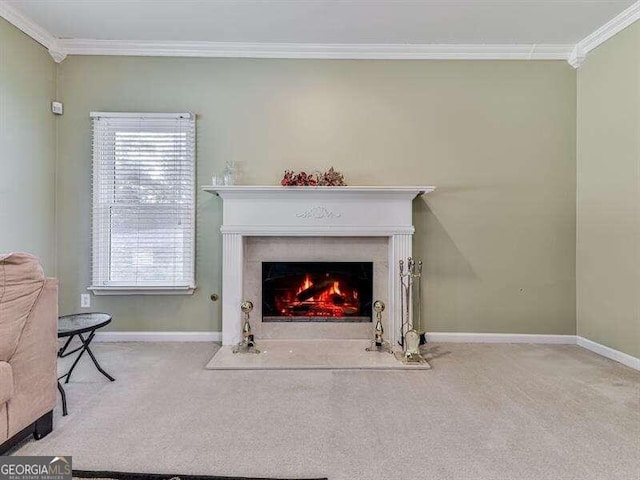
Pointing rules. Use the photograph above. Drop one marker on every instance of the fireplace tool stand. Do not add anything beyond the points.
(379, 344)
(409, 336)
(247, 345)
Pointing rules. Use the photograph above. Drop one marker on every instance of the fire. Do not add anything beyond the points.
(340, 291)
(321, 296)
(307, 283)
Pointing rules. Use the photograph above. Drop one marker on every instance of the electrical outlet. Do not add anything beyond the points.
(85, 300)
(57, 108)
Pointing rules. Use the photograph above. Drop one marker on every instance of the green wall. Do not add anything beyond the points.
(27, 147)
(608, 194)
(496, 137)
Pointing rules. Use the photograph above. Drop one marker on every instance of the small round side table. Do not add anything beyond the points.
(84, 326)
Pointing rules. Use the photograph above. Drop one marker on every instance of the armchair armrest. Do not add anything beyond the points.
(34, 363)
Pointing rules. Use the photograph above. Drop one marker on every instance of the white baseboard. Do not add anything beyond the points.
(158, 337)
(618, 356)
(455, 337)
(445, 337)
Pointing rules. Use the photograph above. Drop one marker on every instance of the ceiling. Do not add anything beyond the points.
(325, 21)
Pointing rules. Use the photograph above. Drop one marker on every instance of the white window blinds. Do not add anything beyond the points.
(143, 203)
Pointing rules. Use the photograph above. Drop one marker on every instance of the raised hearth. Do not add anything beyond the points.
(313, 224)
(310, 355)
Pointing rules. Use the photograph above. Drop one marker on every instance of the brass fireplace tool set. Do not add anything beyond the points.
(410, 275)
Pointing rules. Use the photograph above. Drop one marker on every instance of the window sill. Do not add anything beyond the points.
(142, 290)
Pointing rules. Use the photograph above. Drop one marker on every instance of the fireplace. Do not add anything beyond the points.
(312, 224)
(317, 291)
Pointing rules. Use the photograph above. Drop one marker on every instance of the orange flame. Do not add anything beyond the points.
(307, 283)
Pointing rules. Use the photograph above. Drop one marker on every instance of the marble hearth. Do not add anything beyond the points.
(272, 223)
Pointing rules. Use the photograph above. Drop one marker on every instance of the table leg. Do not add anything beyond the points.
(95, 362)
(75, 362)
(64, 399)
(84, 347)
(63, 349)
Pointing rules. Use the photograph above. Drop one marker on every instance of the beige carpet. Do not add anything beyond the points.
(484, 412)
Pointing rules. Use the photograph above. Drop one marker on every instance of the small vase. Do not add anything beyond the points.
(229, 175)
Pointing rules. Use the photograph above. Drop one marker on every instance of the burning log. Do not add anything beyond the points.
(338, 299)
(314, 290)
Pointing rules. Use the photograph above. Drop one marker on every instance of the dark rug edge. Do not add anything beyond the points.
(167, 476)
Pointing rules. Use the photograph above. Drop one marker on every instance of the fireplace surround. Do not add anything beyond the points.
(379, 217)
(311, 249)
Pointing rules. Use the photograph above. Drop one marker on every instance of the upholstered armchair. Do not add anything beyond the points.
(28, 345)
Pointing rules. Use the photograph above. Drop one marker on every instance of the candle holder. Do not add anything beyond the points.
(379, 344)
(247, 345)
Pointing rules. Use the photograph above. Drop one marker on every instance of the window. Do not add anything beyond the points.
(143, 203)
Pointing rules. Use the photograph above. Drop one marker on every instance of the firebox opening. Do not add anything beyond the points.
(317, 291)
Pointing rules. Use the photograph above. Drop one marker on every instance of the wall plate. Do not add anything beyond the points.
(57, 108)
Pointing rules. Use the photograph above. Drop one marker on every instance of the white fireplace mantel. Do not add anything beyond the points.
(250, 210)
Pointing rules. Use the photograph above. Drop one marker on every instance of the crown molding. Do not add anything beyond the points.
(316, 51)
(604, 33)
(576, 57)
(575, 54)
(33, 29)
(60, 48)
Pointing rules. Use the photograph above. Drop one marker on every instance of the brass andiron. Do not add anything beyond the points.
(247, 345)
(410, 274)
(379, 344)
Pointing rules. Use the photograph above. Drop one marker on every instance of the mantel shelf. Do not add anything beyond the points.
(256, 190)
